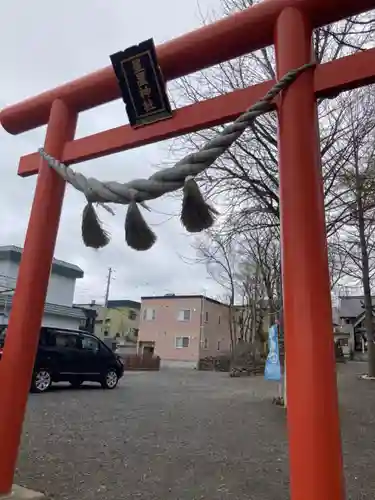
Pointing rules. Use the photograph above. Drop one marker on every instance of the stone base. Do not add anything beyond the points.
(20, 493)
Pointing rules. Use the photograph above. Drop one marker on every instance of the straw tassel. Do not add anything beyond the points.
(138, 234)
(93, 234)
(196, 214)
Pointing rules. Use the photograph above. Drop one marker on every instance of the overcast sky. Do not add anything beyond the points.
(44, 44)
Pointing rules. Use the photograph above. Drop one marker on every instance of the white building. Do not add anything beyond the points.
(59, 310)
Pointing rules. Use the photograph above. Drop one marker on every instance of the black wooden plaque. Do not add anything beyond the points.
(142, 84)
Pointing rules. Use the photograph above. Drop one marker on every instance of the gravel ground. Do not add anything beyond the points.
(181, 435)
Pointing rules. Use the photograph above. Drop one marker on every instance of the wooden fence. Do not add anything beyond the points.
(136, 362)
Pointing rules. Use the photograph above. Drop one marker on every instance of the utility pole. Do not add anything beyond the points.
(109, 279)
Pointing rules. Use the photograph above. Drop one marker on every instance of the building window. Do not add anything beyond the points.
(184, 315)
(218, 345)
(206, 316)
(106, 333)
(149, 314)
(132, 315)
(182, 342)
(205, 344)
(219, 320)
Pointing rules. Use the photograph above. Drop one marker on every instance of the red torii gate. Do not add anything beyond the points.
(313, 420)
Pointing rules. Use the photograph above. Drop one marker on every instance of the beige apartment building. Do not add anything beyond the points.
(181, 329)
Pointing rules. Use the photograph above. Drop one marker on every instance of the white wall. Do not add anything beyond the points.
(52, 321)
(4, 267)
(60, 289)
(60, 322)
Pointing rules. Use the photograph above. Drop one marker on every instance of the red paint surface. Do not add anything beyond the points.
(243, 32)
(18, 357)
(313, 420)
(330, 78)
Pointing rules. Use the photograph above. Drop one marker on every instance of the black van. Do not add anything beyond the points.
(72, 356)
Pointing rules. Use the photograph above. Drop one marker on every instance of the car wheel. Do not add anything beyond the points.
(76, 382)
(110, 380)
(42, 380)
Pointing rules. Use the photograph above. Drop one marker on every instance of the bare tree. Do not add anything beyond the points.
(338, 264)
(244, 181)
(262, 246)
(218, 255)
(247, 267)
(357, 238)
(249, 311)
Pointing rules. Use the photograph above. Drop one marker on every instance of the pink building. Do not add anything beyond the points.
(181, 329)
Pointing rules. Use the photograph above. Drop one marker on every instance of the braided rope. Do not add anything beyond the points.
(180, 175)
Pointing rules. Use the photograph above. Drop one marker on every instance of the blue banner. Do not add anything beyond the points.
(273, 369)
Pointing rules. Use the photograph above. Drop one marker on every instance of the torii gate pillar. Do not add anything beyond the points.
(317, 474)
(27, 311)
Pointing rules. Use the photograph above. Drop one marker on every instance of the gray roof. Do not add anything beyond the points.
(113, 304)
(263, 303)
(351, 307)
(173, 296)
(54, 309)
(59, 267)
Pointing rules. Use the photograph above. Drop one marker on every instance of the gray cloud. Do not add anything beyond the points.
(44, 44)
